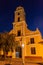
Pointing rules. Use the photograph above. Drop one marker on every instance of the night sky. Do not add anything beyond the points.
(33, 9)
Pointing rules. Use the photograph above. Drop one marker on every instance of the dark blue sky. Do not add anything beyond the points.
(33, 9)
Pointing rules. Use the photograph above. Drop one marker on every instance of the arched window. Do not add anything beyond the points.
(18, 19)
(19, 33)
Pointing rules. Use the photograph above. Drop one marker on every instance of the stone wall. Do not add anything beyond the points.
(19, 61)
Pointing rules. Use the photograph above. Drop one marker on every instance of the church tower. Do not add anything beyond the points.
(19, 14)
(19, 23)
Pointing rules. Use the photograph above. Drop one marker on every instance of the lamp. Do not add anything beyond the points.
(22, 45)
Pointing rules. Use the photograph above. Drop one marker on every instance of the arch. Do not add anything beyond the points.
(19, 52)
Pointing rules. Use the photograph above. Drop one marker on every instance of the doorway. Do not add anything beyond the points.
(19, 52)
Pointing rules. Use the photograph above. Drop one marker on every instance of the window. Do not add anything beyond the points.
(32, 40)
(33, 51)
(19, 33)
(18, 13)
(18, 19)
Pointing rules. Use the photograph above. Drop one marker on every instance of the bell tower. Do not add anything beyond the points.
(19, 14)
(19, 23)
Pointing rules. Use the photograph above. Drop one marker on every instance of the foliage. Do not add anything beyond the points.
(7, 42)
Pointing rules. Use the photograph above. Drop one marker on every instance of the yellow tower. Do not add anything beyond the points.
(19, 21)
(19, 26)
(30, 41)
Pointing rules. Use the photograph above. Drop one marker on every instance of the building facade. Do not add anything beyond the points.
(31, 42)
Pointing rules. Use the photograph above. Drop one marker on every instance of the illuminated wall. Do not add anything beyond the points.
(32, 40)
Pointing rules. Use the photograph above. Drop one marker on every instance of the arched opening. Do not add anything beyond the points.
(19, 52)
